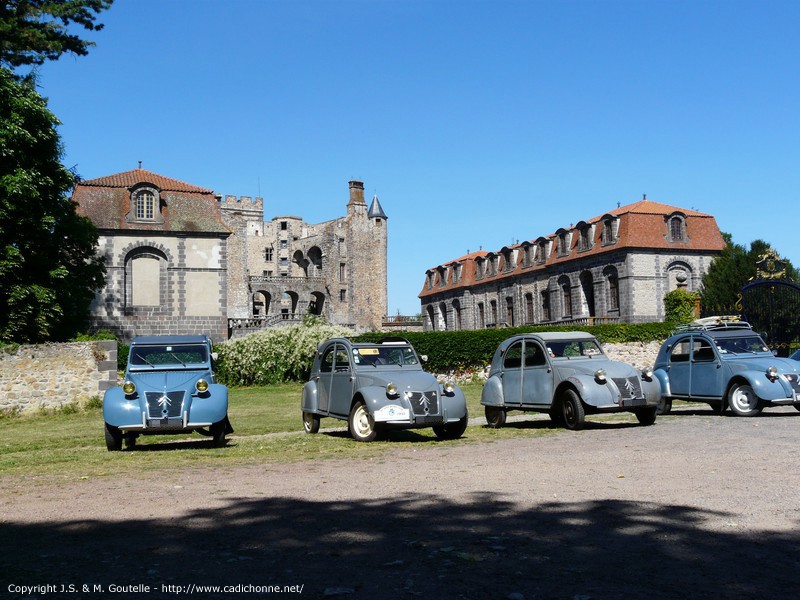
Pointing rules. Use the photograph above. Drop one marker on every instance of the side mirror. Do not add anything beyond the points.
(214, 356)
(424, 358)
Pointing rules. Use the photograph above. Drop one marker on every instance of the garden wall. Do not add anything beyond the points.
(50, 376)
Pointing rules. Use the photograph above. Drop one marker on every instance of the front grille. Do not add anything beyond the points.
(424, 403)
(794, 381)
(164, 405)
(629, 388)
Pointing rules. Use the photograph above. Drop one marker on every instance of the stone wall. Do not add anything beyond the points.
(49, 376)
(637, 354)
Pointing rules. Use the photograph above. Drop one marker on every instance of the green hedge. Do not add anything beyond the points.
(463, 350)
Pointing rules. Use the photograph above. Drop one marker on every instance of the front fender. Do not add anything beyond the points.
(594, 393)
(120, 410)
(310, 400)
(492, 392)
(766, 389)
(454, 405)
(211, 406)
(663, 380)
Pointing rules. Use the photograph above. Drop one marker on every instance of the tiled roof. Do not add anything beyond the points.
(641, 225)
(127, 179)
(183, 207)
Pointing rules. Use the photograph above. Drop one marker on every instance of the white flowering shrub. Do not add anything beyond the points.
(274, 355)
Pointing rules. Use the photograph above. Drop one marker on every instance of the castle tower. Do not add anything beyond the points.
(243, 216)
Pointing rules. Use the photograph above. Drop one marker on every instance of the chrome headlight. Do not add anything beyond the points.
(647, 373)
(201, 385)
(772, 373)
(128, 387)
(391, 389)
(600, 375)
(448, 387)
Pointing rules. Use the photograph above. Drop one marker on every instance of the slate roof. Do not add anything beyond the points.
(184, 207)
(641, 225)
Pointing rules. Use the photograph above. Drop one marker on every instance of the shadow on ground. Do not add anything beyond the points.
(415, 546)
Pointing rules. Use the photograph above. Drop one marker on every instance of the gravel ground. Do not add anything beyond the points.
(698, 505)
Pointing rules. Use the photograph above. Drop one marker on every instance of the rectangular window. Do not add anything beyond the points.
(284, 243)
(284, 262)
(546, 306)
(342, 295)
(613, 293)
(284, 225)
(481, 316)
(529, 307)
(342, 271)
(268, 254)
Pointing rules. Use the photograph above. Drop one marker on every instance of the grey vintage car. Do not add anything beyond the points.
(724, 363)
(376, 387)
(567, 375)
(169, 388)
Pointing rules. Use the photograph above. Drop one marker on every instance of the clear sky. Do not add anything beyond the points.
(477, 123)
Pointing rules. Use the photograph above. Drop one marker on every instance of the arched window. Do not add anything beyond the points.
(145, 205)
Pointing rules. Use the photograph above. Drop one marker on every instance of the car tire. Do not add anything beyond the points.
(310, 422)
(452, 431)
(646, 416)
(743, 400)
(572, 410)
(664, 406)
(218, 431)
(361, 424)
(495, 416)
(113, 438)
(796, 406)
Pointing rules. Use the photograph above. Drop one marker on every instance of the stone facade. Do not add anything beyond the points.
(51, 376)
(288, 268)
(613, 268)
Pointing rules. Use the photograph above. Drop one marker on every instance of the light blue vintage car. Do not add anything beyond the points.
(567, 375)
(377, 387)
(169, 388)
(724, 363)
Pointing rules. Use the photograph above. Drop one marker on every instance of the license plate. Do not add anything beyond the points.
(392, 412)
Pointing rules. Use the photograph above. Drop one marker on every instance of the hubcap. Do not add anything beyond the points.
(362, 423)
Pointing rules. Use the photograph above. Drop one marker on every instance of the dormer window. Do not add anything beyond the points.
(479, 268)
(563, 243)
(586, 235)
(541, 252)
(442, 276)
(145, 205)
(677, 228)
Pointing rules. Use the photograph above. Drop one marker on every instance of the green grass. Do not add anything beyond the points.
(268, 428)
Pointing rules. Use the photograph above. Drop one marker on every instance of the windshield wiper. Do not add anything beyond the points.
(140, 357)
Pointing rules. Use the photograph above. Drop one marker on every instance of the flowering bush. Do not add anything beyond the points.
(274, 355)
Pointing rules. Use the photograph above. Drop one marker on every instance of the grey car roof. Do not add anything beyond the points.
(556, 336)
(148, 340)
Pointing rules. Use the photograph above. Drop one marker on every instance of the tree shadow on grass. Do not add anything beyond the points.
(415, 545)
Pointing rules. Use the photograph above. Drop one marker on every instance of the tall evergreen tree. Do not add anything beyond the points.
(32, 31)
(49, 269)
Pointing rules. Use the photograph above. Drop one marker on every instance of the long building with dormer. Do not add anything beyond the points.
(613, 268)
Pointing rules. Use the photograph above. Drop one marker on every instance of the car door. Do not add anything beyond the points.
(512, 375)
(325, 377)
(537, 376)
(341, 381)
(679, 367)
(706, 372)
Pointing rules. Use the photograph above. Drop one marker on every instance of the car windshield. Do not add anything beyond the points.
(574, 348)
(168, 355)
(750, 344)
(377, 356)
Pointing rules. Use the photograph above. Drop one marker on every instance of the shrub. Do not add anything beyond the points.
(274, 355)
(679, 306)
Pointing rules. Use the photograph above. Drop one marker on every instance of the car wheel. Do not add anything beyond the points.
(361, 423)
(743, 400)
(495, 416)
(796, 406)
(664, 406)
(113, 438)
(572, 410)
(452, 431)
(310, 422)
(218, 431)
(646, 416)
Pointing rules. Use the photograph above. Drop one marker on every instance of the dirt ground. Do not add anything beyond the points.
(696, 506)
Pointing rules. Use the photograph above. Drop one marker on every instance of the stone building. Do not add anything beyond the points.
(613, 268)
(181, 259)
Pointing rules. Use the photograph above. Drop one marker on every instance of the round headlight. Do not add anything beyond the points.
(391, 389)
(772, 372)
(600, 374)
(647, 372)
(449, 387)
(128, 387)
(201, 385)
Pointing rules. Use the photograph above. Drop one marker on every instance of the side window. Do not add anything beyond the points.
(534, 355)
(342, 359)
(326, 364)
(703, 352)
(513, 357)
(680, 351)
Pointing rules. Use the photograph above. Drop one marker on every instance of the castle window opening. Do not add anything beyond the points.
(145, 205)
(342, 295)
(268, 254)
(284, 225)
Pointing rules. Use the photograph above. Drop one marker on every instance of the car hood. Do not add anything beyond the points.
(582, 366)
(404, 380)
(161, 380)
(750, 363)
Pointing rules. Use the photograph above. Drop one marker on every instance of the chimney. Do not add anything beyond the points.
(356, 192)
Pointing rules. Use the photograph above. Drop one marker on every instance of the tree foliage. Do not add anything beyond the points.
(679, 306)
(48, 263)
(32, 31)
(731, 270)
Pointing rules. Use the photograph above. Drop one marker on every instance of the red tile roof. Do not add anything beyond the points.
(642, 225)
(127, 179)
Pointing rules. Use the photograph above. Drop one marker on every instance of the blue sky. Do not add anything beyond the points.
(477, 123)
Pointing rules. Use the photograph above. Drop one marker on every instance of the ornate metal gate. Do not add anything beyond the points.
(771, 304)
